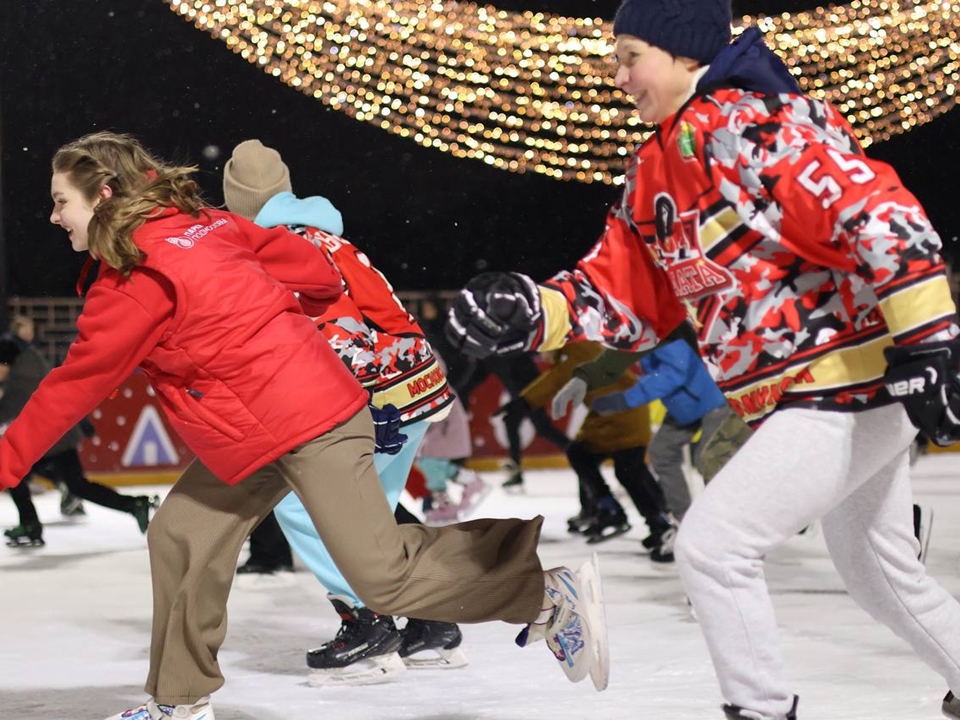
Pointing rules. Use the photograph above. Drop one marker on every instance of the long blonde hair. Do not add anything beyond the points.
(141, 184)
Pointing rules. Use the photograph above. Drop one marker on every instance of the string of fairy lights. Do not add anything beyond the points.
(534, 92)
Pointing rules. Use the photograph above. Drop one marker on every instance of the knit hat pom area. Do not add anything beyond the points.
(697, 29)
(253, 175)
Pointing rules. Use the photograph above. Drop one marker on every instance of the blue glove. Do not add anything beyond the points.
(386, 429)
(610, 404)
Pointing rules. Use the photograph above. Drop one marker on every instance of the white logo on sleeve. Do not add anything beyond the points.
(195, 233)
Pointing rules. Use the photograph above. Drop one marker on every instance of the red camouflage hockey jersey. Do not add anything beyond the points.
(377, 338)
(797, 258)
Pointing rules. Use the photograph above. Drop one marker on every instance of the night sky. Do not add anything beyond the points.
(428, 220)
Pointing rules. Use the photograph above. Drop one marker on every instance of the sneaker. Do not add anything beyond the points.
(663, 553)
(363, 652)
(735, 712)
(431, 644)
(474, 492)
(922, 526)
(200, 710)
(142, 505)
(574, 626)
(609, 522)
(951, 705)
(443, 510)
(27, 535)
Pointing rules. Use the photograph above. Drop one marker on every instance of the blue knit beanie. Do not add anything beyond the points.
(697, 29)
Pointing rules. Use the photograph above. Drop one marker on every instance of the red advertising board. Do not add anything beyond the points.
(135, 441)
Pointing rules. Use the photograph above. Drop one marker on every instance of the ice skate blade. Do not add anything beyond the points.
(608, 533)
(442, 660)
(372, 671)
(590, 583)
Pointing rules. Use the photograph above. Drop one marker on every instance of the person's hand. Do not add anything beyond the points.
(926, 378)
(610, 404)
(570, 396)
(496, 313)
(386, 428)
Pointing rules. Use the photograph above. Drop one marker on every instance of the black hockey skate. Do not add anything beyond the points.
(663, 552)
(440, 640)
(29, 535)
(734, 712)
(579, 523)
(364, 651)
(514, 482)
(143, 504)
(951, 706)
(609, 522)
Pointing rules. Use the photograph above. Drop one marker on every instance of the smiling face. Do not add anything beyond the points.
(71, 210)
(658, 82)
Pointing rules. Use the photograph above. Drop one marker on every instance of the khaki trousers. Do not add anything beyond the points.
(471, 572)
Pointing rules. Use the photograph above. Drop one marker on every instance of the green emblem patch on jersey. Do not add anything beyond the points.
(685, 141)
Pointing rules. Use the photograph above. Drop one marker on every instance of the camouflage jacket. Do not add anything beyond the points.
(797, 258)
(377, 338)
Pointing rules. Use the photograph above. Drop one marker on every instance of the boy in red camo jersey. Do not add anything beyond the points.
(816, 285)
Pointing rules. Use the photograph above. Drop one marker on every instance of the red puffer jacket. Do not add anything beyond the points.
(209, 316)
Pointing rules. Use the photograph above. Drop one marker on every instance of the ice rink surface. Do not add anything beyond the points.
(75, 627)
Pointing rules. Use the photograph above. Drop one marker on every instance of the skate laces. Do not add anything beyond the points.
(560, 623)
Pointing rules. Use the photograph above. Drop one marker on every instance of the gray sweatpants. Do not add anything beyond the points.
(851, 470)
(469, 572)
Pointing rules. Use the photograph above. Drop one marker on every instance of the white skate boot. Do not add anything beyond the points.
(200, 710)
(575, 628)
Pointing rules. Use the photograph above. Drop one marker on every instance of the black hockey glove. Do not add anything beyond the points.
(386, 428)
(926, 379)
(496, 314)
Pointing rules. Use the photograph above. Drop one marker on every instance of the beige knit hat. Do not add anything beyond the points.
(252, 176)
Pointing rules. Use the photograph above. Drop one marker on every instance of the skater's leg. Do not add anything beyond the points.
(412, 570)
(666, 457)
(871, 540)
(269, 549)
(194, 541)
(392, 471)
(66, 467)
(797, 466)
(632, 472)
(24, 502)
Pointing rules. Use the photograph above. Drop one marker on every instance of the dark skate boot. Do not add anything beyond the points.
(609, 522)
(440, 640)
(951, 706)
(364, 651)
(738, 713)
(70, 504)
(922, 525)
(143, 504)
(514, 482)
(663, 552)
(579, 523)
(28, 535)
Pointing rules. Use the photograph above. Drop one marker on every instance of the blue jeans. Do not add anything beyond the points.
(303, 536)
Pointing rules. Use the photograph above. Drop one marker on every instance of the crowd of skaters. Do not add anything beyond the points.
(788, 287)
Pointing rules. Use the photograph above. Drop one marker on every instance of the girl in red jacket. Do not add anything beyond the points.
(203, 302)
